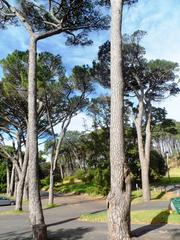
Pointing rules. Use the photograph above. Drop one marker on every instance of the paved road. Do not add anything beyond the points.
(63, 222)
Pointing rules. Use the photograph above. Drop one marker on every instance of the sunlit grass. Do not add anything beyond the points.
(12, 212)
(49, 206)
(139, 217)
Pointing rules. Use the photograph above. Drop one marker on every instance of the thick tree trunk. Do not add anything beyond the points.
(119, 196)
(21, 183)
(145, 182)
(35, 206)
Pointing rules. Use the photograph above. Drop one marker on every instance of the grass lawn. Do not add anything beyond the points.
(174, 178)
(139, 217)
(12, 212)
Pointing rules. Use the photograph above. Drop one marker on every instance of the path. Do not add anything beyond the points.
(63, 222)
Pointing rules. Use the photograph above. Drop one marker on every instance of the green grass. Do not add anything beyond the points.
(174, 172)
(137, 196)
(165, 181)
(12, 212)
(139, 217)
(49, 206)
(77, 188)
(174, 178)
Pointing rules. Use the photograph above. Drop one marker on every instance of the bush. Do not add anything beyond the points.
(2, 187)
(70, 179)
(157, 166)
(102, 180)
(80, 174)
(2, 177)
(98, 178)
(45, 182)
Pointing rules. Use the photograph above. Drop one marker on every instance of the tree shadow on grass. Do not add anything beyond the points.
(158, 221)
(160, 195)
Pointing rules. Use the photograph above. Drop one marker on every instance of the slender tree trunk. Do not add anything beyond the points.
(53, 168)
(35, 206)
(144, 150)
(54, 160)
(51, 187)
(15, 183)
(147, 155)
(7, 179)
(26, 188)
(61, 171)
(119, 196)
(12, 181)
(19, 150)
(21, 183)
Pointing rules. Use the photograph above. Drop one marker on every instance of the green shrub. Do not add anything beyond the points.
(81, 175)
(70, 179)
(2, 187)
(45, 182)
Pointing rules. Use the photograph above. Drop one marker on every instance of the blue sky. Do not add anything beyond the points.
(160, 18)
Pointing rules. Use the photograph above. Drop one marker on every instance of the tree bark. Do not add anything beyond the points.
(12, 181)
(26, 188)
(144, 149)
(21, 183)
(53, 167)
(7, 179)
(119, 196)
(61, 171)
(15, 182)
(54, 160)
(35, 206)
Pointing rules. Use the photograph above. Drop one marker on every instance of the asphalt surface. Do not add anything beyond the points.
(63, 222)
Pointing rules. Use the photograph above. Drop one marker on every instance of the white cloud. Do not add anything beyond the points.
(81, 122)
(172, 106)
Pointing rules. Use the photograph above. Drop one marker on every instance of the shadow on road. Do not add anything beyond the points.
(69, 234)
(61, 222)
(16, 235)
(157, 222)
(60, 234)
